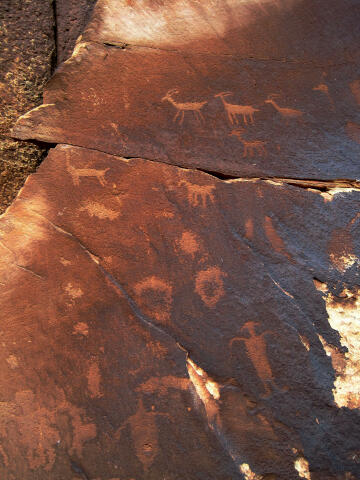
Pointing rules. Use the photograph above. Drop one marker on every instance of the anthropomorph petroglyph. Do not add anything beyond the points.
(255, 346)
(198, 195)
(232, 110)
(251, 147)
(209, 285)
(286, 113)
(183, 107)
(77, 173)
(144, 433)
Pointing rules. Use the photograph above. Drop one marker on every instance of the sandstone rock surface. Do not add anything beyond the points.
(165, 322)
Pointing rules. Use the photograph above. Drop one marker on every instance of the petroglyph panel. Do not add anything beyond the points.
(195, 332)
(225, 104)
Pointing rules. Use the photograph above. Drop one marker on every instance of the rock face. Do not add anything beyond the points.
(26, 52)
(166, 322)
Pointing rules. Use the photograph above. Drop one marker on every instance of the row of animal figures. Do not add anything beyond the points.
(233, 111)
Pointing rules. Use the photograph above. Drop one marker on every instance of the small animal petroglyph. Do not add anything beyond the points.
(256, 349)
(198, 195)
(323, 88)
(183, 107)
(233, 110)
(286, 113)
(76, 173)
(251, 147)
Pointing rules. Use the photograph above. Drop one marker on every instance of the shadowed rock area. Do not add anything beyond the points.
(160, 321)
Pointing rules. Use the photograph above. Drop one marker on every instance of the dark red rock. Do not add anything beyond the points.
(162, 322)
(71, 19)
(196, 94)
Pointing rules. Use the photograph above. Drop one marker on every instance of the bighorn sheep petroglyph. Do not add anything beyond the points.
(233, 110)
(183, 107)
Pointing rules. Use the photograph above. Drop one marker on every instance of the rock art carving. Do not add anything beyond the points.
(144, 432)
(209, 285)
(233, 110)
(251, 147)
(355, 88)
(159, 293)
(255, 346)
(198, 195)
(77, 173)
(286, 113)
(323, 88)
(182, 107)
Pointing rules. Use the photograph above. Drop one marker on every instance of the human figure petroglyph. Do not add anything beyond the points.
(255, 346)
(77, 173)
(183, 107)
(233, 110)
(198, 195)
(286, 113)
(251, 147)
(144, 433)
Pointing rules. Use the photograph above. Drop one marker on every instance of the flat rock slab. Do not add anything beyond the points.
(192, 85)
(162, 323)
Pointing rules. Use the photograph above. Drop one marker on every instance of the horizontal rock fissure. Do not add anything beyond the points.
(125, 45)
(315, 184)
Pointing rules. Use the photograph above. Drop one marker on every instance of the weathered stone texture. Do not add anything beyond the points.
(71, 18)
(163, 322)
(26, 51)
(159, 322)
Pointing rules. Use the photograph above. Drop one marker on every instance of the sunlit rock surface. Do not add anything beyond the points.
(165, 322)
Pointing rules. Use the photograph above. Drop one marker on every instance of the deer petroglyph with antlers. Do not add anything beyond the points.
(251, 147)
(183, 107)
(286, 113)
(233, 110)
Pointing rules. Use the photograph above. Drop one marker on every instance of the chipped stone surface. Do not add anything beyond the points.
(133, 349)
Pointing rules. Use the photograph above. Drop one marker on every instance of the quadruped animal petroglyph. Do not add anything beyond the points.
(286, 113)
(77, 173)
(251, 147)
(233, 110)
(183, 107)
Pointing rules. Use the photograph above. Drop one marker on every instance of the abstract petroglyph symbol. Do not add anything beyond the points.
(323, 88)
(189, 243)
(95, 209)
(183, 107)
(250, 147)
(286, 113)
(157, 295)
(232, 110)
(355, 88)
(76, 173)
(209, 285)
(144, 433)
(34, 425)
(198, 195)
(341, 247)
(353, 131)
(255, 346)
(274, 238)
(122, 137)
